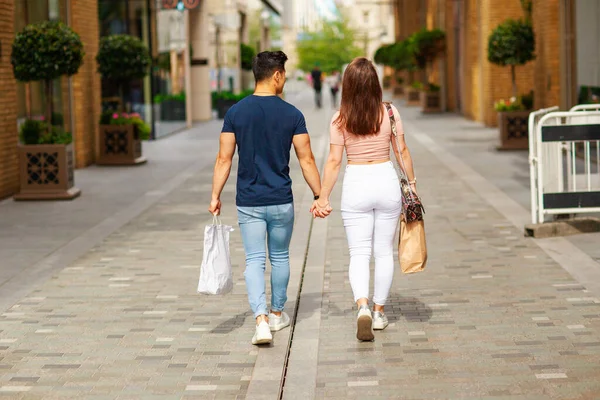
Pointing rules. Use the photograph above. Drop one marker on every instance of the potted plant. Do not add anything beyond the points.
(123, 135)
(172, 106)
(121, 59)
(511, 44)
(44, 52)
(426, 46)
(223, 101)
(431, 101)
(413, 94)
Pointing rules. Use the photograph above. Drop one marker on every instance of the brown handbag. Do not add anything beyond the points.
(412, 244)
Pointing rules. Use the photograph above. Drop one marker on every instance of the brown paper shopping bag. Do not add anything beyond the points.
(412, 247)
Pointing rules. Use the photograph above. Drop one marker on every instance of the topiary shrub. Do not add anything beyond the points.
(122, 58)
(512, 43)
(248, 54)
(44, 52)
(426, 45)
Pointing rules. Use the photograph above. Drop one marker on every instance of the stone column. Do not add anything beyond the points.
(200, 69)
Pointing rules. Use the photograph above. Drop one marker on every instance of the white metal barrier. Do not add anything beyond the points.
(534, 119)
(571, 131)
(586, 107)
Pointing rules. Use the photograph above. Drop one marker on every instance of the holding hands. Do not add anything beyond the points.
(321, 208)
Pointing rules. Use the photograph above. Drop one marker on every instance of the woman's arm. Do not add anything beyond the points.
(401, 150)
(322, 207)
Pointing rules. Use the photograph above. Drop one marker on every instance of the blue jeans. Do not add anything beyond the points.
(260, 226)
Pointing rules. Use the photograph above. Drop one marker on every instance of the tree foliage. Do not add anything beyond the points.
(426, 45)
(512, 43)
(248, 54)
(331, 47)
(46, 51)
(396, 55)
(123, 58)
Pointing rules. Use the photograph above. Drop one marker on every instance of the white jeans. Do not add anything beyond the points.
(371, 205)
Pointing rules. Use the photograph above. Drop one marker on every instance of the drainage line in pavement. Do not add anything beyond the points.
(295, 316)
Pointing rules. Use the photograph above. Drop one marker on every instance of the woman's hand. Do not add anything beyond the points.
(321, 209)
(413, 187)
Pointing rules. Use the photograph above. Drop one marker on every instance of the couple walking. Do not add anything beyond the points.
(263, 127)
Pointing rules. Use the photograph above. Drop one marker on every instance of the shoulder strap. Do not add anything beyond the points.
(390, 111)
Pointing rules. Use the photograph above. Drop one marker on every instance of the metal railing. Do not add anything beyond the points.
(559, 137)
(534, 119)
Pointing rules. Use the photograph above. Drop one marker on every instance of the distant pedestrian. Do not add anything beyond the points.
(317, 82)
(334, 81)
(264, 127)
(371, 198)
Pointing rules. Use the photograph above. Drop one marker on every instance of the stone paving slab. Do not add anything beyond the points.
(124, 320)
(493, 316)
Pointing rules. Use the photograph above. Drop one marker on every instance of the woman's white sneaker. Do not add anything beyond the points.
(380, 321)
(277, 323)
(263, 334)
(364, 324)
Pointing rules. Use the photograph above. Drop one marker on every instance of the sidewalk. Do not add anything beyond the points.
(493, 317)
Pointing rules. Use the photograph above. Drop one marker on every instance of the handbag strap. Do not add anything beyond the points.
(402, 167)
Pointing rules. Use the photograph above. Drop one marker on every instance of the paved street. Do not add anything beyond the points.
(117, 316)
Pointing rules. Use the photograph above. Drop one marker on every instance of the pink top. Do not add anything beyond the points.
(364, 148)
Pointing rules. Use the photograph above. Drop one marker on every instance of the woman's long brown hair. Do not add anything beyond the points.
(360, 111)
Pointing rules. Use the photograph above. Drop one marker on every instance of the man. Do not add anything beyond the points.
(334, 81)
(264, 127)
(317, 80)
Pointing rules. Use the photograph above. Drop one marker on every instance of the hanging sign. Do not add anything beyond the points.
(180, 4)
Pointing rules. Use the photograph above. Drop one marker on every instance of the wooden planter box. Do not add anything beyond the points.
(431, 102)
(120, 145)
(223, 106)
(513, 130)
(46, 172)
(413, 96)
(172, 110)
(399, 91)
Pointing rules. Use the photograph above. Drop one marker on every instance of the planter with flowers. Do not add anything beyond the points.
(413, 94)
(121, 59)
(122, 136)
(399, 88)
(511, 44)
(44, 52)
(431, 101)
(513, 120)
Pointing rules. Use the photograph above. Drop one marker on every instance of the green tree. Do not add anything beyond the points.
(248, 54)
(331, 47)
(512, 43)
(44, 52)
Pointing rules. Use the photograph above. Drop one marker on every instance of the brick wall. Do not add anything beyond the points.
(471, 71)
(547, 63)
(9, 174)
(86, 84)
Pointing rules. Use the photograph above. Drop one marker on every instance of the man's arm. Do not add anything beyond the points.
(307, 162)
(222, 170)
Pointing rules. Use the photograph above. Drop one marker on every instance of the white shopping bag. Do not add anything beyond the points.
(215, 274)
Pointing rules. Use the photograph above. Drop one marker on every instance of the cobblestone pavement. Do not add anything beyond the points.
(493, 317)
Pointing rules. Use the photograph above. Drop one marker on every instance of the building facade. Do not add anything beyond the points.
(565, 72)
(373, 22)
(76, 98)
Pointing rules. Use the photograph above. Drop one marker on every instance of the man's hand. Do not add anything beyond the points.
(320, 210)
(215, 207)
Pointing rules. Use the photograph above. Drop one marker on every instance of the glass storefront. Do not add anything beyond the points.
(159, 98)
(31, 98)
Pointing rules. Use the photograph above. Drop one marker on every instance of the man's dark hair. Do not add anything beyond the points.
(266, 63)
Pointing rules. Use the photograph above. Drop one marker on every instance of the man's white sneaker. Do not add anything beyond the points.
(380, 321)
(278, 323)
(364, 324)
(262, 334)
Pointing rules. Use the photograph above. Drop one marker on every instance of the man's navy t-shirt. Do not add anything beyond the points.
(264, 127)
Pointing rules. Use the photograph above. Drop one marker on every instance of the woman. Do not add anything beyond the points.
(371, 199)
